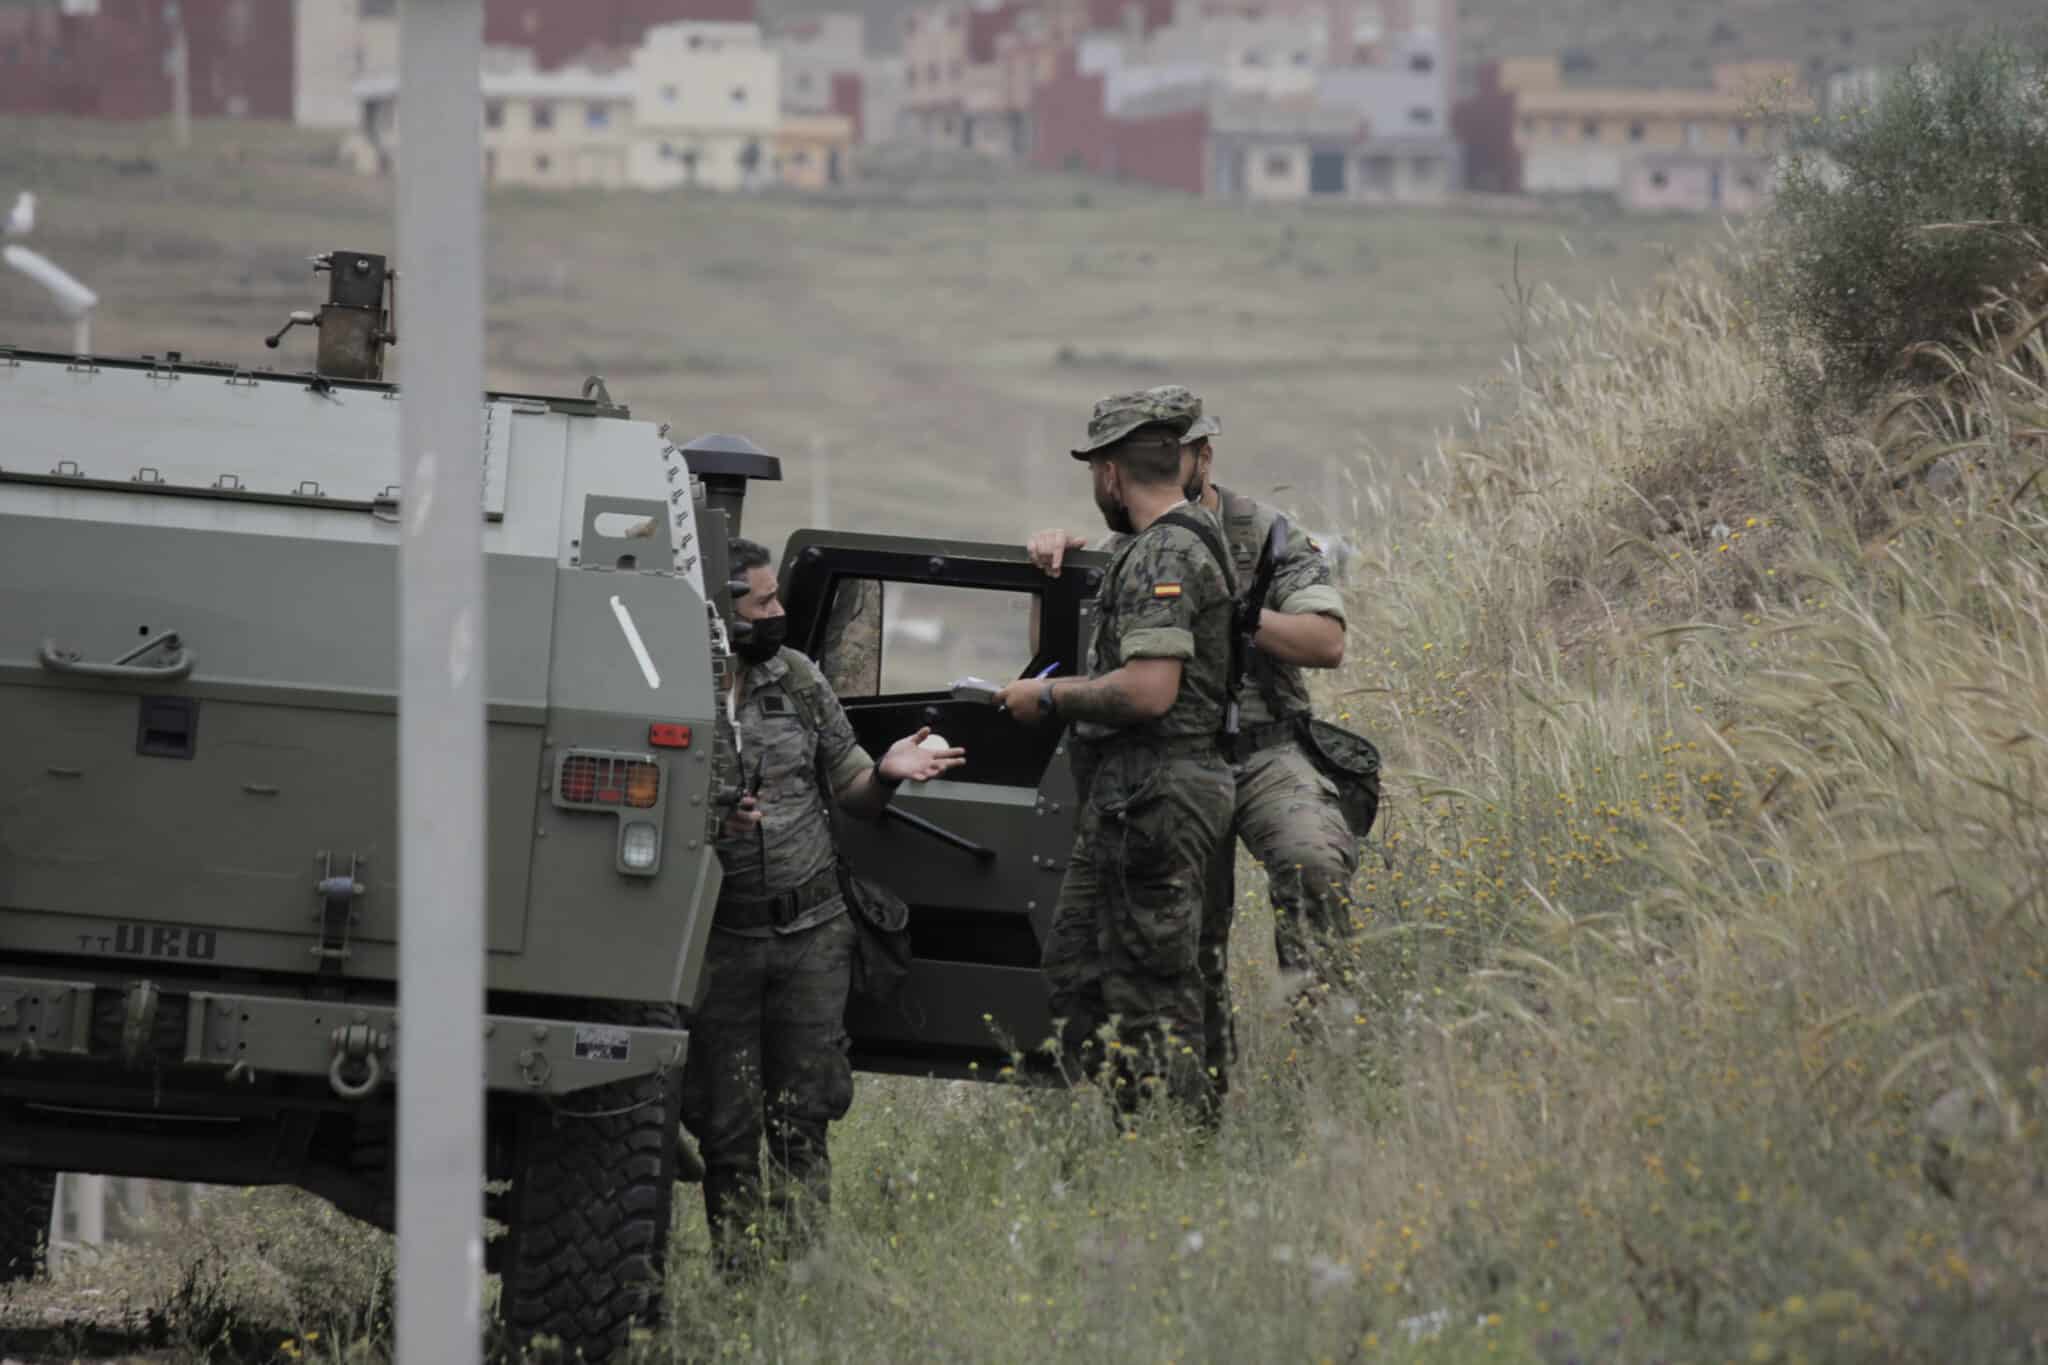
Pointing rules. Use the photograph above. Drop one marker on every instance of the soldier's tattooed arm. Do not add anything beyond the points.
(1142, 690)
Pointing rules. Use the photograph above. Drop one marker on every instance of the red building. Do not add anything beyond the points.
(560, 31)
(112, 64)
(1072, 130)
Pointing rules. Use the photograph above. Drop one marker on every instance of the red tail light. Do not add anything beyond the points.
(598, 780)
(579, 777)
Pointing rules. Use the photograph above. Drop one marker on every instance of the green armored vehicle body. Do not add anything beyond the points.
(199, 903)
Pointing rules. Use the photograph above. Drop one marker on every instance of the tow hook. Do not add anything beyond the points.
(357, 1068)
(138, 1021)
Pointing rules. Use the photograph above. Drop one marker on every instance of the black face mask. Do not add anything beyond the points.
(762, 639)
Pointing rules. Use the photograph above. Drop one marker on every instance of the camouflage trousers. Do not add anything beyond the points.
(1126, 937)
(1287, 816)
(767, 1058)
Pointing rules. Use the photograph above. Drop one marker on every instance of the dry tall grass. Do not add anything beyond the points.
(1700, 1011)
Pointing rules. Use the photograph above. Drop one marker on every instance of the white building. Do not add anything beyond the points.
(706, 104)
(335, 45)
(552, 129)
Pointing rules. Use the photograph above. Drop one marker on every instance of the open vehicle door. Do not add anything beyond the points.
(978, 855)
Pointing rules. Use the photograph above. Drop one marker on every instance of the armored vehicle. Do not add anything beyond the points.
(199, 906)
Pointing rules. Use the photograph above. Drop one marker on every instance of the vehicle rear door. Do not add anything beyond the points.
(978, 855)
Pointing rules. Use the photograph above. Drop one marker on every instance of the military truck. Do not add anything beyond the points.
(199, 907)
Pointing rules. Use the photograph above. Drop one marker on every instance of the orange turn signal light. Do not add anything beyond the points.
(665, 734)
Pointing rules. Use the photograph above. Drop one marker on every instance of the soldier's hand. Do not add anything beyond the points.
(745, 817)
(1048, 549)
(909, 761)
(1020, 699)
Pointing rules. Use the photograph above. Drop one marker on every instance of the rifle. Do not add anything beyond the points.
(1245, 626)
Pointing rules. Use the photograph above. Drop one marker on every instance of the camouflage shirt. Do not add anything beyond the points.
(1301, 586)
(779, 757)
(1163, 596)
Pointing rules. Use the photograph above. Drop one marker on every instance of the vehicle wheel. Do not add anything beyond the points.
(587, 1217)
(26, 1198)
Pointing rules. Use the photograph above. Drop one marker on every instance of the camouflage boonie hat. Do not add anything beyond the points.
(1204, 426)
(1121, 414)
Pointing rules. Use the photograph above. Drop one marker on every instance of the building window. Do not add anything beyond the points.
(1422, 171)
(1659, 180)
(494, 113)
(598, 116)
(739, 94)
(1278, 165)
(696, 41)
(543, 163)
(803, 80)
(1637, 132)
(669, 94)
(799, 158)
(1301, 59)
(1692, 135)
(1590, 129)
(1422, 62)
(1747, 180)
(1742, 135)
(543, 114)
(1422, 116)
(1254, 57)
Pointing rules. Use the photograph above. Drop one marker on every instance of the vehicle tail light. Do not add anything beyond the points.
(609, 780)
(626, 786)
(579, 778)
(668, 735)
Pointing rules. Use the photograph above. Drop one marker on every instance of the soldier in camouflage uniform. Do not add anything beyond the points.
(1286, 811)
(1155, 792)
(768, 1042)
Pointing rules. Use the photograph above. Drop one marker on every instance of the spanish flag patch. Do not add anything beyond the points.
(1166, 590)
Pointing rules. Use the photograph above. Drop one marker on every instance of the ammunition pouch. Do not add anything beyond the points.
(881, 951)
(1351, 762)
(779, 911)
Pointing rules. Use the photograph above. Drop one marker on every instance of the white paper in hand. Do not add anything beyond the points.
(976, 689)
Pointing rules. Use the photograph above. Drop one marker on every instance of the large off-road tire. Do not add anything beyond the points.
(593, 1187)
(26, 1198)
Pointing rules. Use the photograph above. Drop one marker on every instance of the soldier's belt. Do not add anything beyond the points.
(1169, 746)
(1247, 744)
(779, 910)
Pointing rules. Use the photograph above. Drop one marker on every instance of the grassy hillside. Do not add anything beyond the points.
(938, 334)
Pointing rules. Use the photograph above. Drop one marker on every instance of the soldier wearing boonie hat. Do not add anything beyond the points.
(1155, 792)
(1284, 810)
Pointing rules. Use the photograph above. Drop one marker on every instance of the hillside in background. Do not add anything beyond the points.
(1642, 42)
(939, 332)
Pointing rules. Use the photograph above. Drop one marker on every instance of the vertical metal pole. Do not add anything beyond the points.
(180, 60)
(441, 685)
